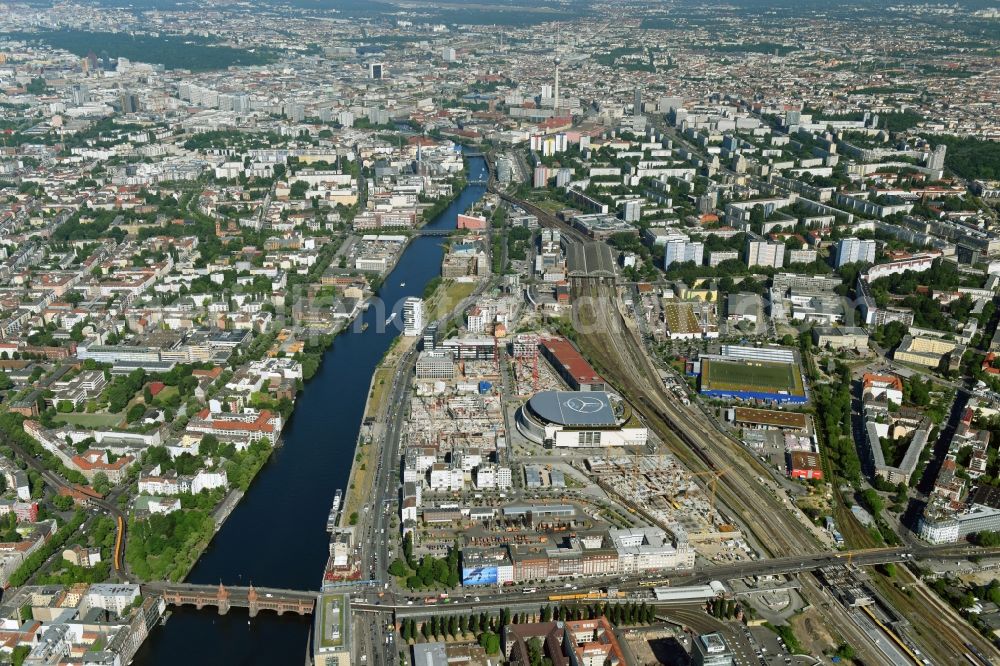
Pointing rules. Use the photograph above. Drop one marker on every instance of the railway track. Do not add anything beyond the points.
(612, 347)
(699, 446)
(56, 482)
(943, 635)
(696, 442)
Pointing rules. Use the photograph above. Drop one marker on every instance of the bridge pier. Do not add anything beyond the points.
(223, 599)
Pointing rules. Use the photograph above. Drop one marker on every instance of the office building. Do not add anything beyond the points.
(764, 253)
(854, 250)
(935, 160)
(435, 365)
(448, 54)
(376, 71)
(413, 316)
(631, 210)
(679, 249)
(332, 639)
(563, 178)
(541, 178)
(129, 102)
(711, 650)
(430, 337)
(81, 94)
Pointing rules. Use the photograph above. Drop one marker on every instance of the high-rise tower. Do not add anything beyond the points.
(555, 105)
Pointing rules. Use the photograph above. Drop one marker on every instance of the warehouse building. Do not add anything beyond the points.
(571, 366)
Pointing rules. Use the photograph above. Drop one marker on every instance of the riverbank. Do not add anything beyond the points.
(365, 462)
(445, 300)
(292, 495)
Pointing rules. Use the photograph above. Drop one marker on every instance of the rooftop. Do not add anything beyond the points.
(574, 408)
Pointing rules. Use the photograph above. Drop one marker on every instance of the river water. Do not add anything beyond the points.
(276, 536)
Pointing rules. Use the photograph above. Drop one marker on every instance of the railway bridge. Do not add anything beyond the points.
(226, 597)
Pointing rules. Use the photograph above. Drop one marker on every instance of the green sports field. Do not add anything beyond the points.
(751, 376)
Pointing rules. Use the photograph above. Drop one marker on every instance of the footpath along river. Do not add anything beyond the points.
(276, 536)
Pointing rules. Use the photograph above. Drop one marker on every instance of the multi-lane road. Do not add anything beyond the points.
(619, 355)
(615, 349)
(494, 597)
(374, 531)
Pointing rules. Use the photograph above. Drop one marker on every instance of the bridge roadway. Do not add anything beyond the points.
(586, 258)
(433, 232)
(303, 601)
(223, 597)
(491, 598)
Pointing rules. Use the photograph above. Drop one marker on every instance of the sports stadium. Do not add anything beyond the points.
(733, 377)
(579, 419)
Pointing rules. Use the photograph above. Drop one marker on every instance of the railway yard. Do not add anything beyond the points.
(908, 624)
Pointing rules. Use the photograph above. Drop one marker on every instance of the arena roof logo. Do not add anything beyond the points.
(586, 405)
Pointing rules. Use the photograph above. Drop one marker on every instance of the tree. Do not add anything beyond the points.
(101, 484)
(62, 502)
(135, 412)
(20, 653)
(987, 539)
(490, 642)
(845, 652)
(872, 501)
(408, 549)
(398, 568)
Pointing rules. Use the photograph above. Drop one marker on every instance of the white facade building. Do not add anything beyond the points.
(854, 250)
(413, 316)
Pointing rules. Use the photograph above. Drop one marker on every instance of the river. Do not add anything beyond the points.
(276, 536)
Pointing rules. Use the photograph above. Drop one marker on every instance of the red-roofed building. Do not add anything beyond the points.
(247, 424)
(156, 387)
(573, 368)
(804, 465)
(889, 386)
(990, 364)
(92, 461)
(474, 222)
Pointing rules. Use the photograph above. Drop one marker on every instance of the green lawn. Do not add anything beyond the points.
(99, 420)
(381, 384)
(329, 602)
(751, 376)
(447, 297)
(167, 393)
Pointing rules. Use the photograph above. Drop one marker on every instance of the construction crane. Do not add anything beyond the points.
(534, 369)
(713, 482)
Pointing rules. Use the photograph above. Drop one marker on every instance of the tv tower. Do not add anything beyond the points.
(555, 105)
